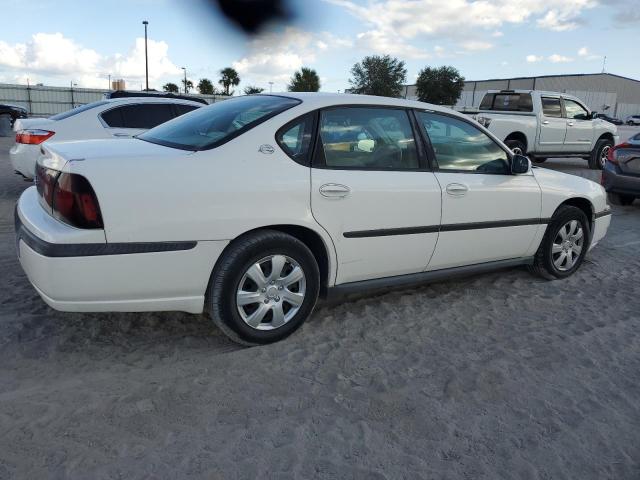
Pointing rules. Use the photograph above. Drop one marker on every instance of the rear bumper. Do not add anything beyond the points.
(615, 181)
(73, 271)
(23, 158)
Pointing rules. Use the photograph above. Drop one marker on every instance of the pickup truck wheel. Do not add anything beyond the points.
(622, 200)
(564, 245)
(516, 146)
(263, 288)
(599, 154)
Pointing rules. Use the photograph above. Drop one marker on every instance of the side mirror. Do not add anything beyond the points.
(594, 115)
(520, 164)
(366, 145)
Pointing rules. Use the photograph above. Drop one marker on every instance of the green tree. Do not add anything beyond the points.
(187, 86)
(170, 87)
(228, 78)
(378, 75)
(304, 80)
(205, 87)
(442, 86)
(251, 89)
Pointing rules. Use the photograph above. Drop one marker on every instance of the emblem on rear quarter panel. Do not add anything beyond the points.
(266, 148)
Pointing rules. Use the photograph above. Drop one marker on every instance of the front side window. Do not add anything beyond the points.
(575, 110)
(210, 126)
(460, 146)
(551, 107)
(368, 138)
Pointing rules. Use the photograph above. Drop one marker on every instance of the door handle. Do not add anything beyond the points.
(545, 122)
(457, 189)
(334, 190)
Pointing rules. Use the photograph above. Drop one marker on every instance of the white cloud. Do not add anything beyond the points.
(587, 55)
(56, 56)
(476, 45)
(274, 56)
(555, 58)
(377, 42)
(395, 23)
(534, 58)
(583, 52)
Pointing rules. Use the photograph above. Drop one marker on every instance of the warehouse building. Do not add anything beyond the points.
(602, 92)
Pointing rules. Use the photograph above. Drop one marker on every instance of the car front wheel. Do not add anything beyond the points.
(263, 288)
(564, 245)
(599, 154)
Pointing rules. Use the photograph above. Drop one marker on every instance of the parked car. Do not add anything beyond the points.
(152, 94)
(547, 124)
(621, 173)
(250, 208)
(607, 118)
(13, 112)
(633, 120)
(117, 118)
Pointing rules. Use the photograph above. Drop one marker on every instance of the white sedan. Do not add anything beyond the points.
(109, 118)
(249, 209)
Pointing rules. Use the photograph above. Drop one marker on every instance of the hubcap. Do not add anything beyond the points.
(567, 246)
(271, 292)
(604, 154)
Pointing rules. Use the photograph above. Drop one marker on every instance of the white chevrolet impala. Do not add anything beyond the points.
(249, 209)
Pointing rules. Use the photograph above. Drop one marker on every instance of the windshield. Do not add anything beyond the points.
(216, 124)
(75, 111)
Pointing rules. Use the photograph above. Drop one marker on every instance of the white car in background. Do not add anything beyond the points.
(250, 208)
(109, 118)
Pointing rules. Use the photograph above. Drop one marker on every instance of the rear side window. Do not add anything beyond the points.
(216, 124)
(75, 111)
(515, 102)
(139, 116)
(551, 107)
(368, 138)
(295, 138)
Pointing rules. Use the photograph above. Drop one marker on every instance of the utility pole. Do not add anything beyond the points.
(185, 80)
(146, 57)
(109, 86)
(270, 87)
(604, 62)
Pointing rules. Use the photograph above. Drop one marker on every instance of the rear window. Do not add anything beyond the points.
(513, 102)
(142, 115)
(216, 124)
(75, 111)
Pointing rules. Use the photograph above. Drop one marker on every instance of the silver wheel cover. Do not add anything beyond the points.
(567, 246)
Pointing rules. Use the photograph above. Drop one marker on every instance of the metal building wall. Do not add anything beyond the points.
(43, 101)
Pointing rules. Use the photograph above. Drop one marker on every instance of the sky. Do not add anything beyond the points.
(64, 41)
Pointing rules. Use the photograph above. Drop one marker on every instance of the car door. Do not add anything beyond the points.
(579, 136)
(371, 191)
(488, 214)
(552, 125)
(132, 119)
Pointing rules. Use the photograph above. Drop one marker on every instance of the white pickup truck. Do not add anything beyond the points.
(547, 124)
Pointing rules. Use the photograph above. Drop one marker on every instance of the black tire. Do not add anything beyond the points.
(621, 200)
(538, 159)
(543, 261)
(595, 160)
(221, 304)
(516, 146)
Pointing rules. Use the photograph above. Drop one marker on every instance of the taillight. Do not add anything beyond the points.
(611, 156)
(69, 197)
(33, 136)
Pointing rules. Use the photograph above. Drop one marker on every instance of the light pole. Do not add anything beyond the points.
(270, 87)
(146, 58)
(185, 80)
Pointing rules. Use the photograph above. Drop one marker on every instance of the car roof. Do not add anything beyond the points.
(321, 99)
(125, 100)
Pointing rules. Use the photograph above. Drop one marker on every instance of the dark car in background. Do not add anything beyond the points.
(621, 172)
(607, 118)
(13, 112)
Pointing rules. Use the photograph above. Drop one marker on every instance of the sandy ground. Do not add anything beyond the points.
(499, 376)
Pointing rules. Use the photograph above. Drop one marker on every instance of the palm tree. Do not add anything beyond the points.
(305, 80)
(170, 87)
(251, 89)
(228, 78)
(205, 87)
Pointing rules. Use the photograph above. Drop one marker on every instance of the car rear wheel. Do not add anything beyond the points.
(263, 288)
(564, 245)
(599, 154)
(622, 200)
